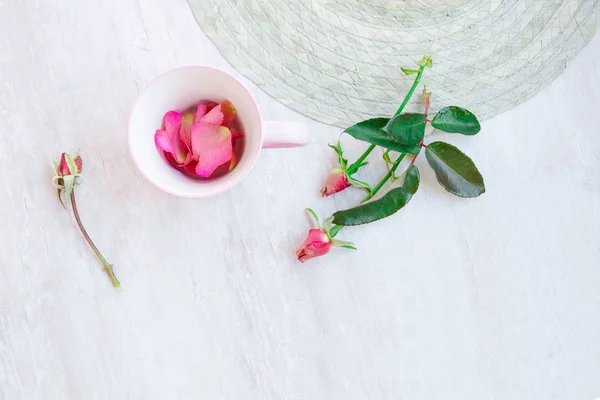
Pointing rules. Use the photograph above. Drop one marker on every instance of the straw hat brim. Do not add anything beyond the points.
(338, 61)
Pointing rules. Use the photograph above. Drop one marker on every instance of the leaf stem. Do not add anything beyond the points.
(385, 178)
(107, 267)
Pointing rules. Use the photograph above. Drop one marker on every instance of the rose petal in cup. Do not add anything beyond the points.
(211, 146)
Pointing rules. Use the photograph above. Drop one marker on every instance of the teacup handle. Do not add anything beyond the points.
(285, 134)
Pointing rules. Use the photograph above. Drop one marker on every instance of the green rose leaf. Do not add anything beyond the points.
(371, 131)
(454, 170)
(456, 120)
(408, 129)
(383, 207)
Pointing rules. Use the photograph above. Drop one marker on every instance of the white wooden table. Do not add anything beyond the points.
(492, 298)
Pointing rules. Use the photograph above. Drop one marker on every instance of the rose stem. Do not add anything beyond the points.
(107, 267)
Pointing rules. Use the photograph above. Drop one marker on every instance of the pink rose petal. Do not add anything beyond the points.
(228, 111)
(163, 141)
(172, 120)
(168, 139)
(191, 169)
(171, 160)
(63, 168)
(188, 159)
(235, 134)
(233, 162)
(214, 116)
(185, 131)
(222, 114)
(79, 163)
(211, 146)
(181, 151)
(200, 112)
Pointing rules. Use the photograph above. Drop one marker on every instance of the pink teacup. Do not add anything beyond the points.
(182, 88)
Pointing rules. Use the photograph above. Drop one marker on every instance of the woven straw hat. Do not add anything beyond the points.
(339, 61)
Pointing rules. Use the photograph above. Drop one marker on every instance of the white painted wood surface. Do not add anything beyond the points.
(492, 298)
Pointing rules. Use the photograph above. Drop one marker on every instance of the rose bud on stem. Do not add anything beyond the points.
(68, 175)
(340, 178)
(320, 239)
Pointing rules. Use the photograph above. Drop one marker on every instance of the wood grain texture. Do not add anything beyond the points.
(490, 298)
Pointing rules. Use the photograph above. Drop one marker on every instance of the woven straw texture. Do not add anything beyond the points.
(338, 61)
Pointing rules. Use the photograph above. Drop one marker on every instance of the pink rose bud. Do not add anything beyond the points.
(78, 163)
(336, 182)
(316, 244)
(69, 166)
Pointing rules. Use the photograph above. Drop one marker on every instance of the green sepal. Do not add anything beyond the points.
(71, 164)
(386, 157)
(334, 229)
(342, 243)
(68, 183)
(408, 71)
(327, 224)
(313, 216)
(359, 184)
(58, 194)
(426, 61)
(340, 153)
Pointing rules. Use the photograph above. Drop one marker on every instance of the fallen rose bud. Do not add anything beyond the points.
(336, 182)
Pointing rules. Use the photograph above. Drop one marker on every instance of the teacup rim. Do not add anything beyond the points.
(231, 182)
